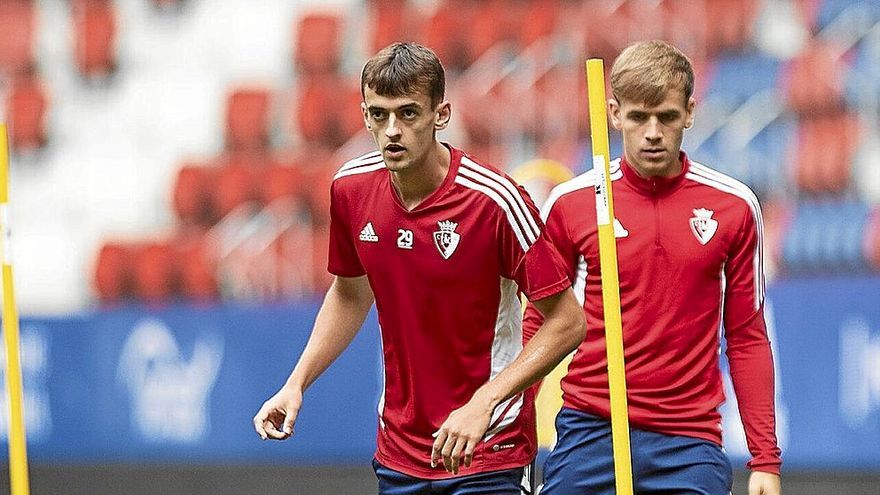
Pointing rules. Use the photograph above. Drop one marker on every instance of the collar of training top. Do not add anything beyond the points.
(654, 185)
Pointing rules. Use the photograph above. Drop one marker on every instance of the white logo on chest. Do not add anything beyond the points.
(703, 226)
(368, 233)
(446, 239)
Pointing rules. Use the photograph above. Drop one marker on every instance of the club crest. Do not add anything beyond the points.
(703, 226)
(446, 239)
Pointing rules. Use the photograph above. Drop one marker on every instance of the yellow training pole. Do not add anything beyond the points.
(610, 282)
(18, 470)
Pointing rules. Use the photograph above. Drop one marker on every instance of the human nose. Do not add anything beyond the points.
(392, 130)
(652, 130)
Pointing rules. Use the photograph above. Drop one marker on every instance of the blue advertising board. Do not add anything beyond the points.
(182, 384)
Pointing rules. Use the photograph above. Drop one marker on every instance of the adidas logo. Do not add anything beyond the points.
(619, 231)
(368, 234)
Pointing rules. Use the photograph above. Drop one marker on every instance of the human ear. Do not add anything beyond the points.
(442, 115)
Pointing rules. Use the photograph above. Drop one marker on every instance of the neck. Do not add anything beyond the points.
(416, 183)
(670, 170)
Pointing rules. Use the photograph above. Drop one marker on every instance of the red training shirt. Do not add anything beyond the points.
(446, 277)
(689, 259)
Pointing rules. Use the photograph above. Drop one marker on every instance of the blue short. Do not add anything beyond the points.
(508, 482)
(583, 463)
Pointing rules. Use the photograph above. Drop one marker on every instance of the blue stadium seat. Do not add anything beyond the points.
(760, 164)
(863, 79)
(737, 77)
(830, 10)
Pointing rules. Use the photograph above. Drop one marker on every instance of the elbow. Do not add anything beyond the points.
(575, 330)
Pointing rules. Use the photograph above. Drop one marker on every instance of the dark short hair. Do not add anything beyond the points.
(403, 69)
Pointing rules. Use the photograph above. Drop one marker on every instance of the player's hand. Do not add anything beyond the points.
(276, 418)
(459, 435)
(761, 483)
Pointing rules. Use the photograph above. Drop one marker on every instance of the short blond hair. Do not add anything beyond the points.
(645, 71)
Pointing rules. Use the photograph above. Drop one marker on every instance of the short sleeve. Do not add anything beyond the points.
(343, 259)
(527, 255)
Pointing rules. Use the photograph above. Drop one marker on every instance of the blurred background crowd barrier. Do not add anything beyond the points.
(169, 202)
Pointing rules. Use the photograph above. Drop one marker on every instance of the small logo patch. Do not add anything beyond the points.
(703, 226)
(619, 230)
(503, 446)
(446, 239)
(368, 233)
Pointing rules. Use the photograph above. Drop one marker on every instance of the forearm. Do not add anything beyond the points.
(341, 316)
(751, 371)
(560, 333)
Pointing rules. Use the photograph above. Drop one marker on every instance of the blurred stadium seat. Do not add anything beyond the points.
(27, 107)
(95, 37)
(831, 10)
(824, 152)
(814, 80)
(248, 118)
(114, 271)
(390, 21)
(235, 185)
(736, 77)
(327, 110)
(196, 267)
(192, 194)
(317, 45)
(153, 271)
(17, 35)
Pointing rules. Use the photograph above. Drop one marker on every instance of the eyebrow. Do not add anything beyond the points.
(412, 105)
(670, 113)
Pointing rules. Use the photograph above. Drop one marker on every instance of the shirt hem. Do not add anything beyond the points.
(550, 290)
(440, 474)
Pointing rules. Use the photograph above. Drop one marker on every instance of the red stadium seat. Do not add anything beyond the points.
(445, 32)
(327, 110)
(279, 181)
(235, 185)
(318, 43)
(814, 81)
(95, 37)
(26, 106)
(390, 21)
(248, 119)
(113, 272)
(314, 171)
(154, 272)
(192, 194)
(539, 20)
(842, 134)
(17, 22)
(684, 25)
(492, 22)
(824, 153)
(808, 12)
(610, 28)
(731, 23)
(196, 268)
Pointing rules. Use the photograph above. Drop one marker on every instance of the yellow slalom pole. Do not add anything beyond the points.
(610, 282)
(18, 469)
